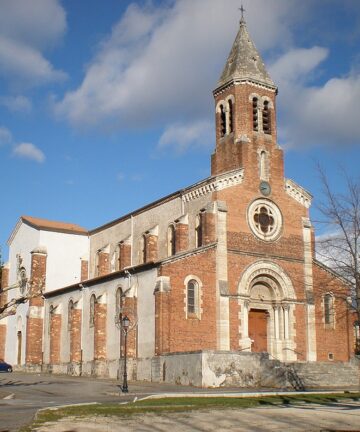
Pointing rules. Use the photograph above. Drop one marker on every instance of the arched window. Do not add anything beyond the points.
(192, 297)
(255, 114)
(266, 117)
(171, 240)
(329, 309)
(222, 121)
(92, 310)
(231, 116)
(143, 254)
(198, 231)
(70, 314)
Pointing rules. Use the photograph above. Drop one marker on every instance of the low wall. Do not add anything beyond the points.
(216, 369)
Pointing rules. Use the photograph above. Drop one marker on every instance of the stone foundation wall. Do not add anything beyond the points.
(217, 369)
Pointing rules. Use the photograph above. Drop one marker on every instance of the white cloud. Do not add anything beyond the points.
(26, 29)
(16, 103)
(5, 136)
(181, 137)
(29, 151)
(316, 115)
(160, 63)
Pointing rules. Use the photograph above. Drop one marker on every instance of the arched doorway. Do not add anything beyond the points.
(267, 304)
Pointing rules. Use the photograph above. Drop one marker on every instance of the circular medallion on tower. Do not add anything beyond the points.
(265, 219)
(265, 188)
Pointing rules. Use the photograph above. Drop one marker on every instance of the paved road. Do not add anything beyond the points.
(30, 392)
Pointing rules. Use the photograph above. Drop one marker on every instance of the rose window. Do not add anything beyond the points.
(265, 220)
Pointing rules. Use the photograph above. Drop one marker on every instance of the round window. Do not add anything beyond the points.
(265, 219)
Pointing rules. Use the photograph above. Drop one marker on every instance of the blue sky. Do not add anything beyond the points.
(107, 105)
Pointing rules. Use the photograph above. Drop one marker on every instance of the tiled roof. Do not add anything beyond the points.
(53, 225)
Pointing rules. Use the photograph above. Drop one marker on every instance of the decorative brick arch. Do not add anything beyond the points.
(283, 287)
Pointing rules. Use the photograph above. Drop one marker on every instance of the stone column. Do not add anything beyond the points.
(310, 306)
(245, 341)
(218, 230)
(100, 328)
(286, 321)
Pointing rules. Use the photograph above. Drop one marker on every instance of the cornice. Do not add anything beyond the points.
(220, 182)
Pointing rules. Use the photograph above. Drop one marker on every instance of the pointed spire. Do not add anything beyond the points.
(244, 61)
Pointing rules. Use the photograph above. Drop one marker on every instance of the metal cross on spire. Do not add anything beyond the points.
(242, 10)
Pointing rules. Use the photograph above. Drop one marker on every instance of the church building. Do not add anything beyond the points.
(219, 280)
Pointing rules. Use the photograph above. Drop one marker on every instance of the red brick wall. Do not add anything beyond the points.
(84, 270)
(55, 338)
(228, 155)
(100, 332)
(151, 248)
(75, 336)
(338, 338)
(103, 264)
(125, 255)
(175, 332)
(208, 228)
(181, 237)
(34, 330)
(130, 307)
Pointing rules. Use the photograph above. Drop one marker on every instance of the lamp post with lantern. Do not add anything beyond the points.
(125, 327)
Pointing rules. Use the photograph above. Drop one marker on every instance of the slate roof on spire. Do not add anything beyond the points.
(244, 61)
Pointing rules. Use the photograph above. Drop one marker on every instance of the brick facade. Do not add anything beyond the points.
(75, 335)
(100, 331)
(55, 338)
(35, 319)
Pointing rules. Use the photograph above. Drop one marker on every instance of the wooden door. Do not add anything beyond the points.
(258, 330)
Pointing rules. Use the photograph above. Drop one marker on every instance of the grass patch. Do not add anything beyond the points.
(181, 404)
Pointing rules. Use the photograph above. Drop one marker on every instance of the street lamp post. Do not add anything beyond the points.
(125, 327)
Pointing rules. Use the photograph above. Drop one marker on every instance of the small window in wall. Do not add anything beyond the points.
(70, 314)
(143, 254)
(266, 118)
(222, 121)
(231, 116)
(329, 310)
(171, 240)
(92, 310)
(255, 115)
(192, 297)
(198, 231)
(51, 313)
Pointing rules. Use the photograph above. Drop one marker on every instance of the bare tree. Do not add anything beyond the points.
(26, 289)
(339, 249)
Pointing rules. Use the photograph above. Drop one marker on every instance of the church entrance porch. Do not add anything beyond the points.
(267, 304)
(258, 324)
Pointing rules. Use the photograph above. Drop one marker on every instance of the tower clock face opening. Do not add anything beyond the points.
(265, 188)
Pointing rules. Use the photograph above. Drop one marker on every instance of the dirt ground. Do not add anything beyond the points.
(334, 417)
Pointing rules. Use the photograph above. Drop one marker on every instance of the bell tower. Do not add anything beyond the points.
(245, 106)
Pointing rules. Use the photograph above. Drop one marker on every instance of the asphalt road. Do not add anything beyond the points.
(22, 395)
(27, 393)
